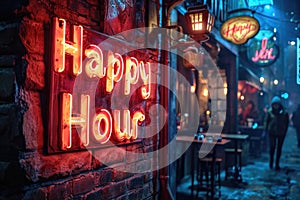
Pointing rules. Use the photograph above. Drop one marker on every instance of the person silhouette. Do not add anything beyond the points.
(276, 125)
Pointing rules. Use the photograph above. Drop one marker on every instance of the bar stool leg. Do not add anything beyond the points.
(219, 178)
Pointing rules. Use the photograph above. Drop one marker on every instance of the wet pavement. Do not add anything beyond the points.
(259, 181)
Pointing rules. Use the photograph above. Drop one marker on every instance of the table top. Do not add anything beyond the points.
(235, 136)
(193, 140)
(247, 127)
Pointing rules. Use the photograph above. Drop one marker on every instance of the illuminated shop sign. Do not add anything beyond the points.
(239, 29)
(84, 75)
(263, 52)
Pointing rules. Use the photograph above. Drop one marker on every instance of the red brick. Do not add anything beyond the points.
(93, 2)
(94, 14)
(148, 176)
(117, 189)
(144, 166)
(135, 182)
(134, 147)
(42, 8)
(32, 122)
(148, 151)
(83, 184)
(140, 193)
(134, 153)
(83, 9)
(103, 177)
(60, 3)
(105, 193)
(79, 197)
(64, 13)
(134, 156)
(39, 167)
(128, 196)
(35, 73)
(109, 156)
(95, 194)
(32, 36)
(120, 175)
(147, 190)
(60, 191)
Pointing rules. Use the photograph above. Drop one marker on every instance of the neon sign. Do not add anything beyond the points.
(239, 29)
(263, 52)
(76, 56)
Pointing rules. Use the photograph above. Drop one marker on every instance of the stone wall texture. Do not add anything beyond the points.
(26, 171)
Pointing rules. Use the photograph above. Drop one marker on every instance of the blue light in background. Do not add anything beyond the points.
(267, 7)
(285, 95)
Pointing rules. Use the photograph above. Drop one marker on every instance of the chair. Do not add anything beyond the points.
(205, 173)
(229, 156)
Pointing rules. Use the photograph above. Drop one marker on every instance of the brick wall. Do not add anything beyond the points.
(26, 172)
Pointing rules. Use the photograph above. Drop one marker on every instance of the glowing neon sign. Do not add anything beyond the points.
(72, 125)
(263, 52)
(239, 29)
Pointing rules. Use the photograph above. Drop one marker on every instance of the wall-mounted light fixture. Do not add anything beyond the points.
(200, 22)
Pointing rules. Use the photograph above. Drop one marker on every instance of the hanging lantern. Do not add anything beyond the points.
(200, 21)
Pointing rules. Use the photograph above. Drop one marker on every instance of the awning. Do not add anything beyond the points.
(248, 81)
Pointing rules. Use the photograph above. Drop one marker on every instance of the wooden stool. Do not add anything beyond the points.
(204, 175)
(229, 153)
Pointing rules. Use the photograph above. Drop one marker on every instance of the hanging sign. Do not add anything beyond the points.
(239, 29)
(84, 77)
(263, 52)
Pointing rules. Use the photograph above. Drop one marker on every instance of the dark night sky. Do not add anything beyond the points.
(287, 17)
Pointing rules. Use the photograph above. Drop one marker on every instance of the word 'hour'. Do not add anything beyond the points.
(113, 68)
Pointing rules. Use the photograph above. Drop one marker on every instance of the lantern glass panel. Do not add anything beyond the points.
(197, 21)
(200, 21)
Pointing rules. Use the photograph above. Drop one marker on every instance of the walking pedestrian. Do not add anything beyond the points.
(296, 123)
(276, 125)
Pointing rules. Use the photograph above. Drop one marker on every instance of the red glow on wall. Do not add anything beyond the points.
(73, 123)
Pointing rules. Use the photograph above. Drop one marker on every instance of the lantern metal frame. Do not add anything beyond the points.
(200, 22)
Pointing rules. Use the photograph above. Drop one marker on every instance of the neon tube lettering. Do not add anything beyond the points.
(102, 119)
(123, 134)
(132, 73)
(146, 79)
(263, 53)
(65, 123)
(114, 70)
(94, 65)
(137, 116)
(67, 120)
(61, 47)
